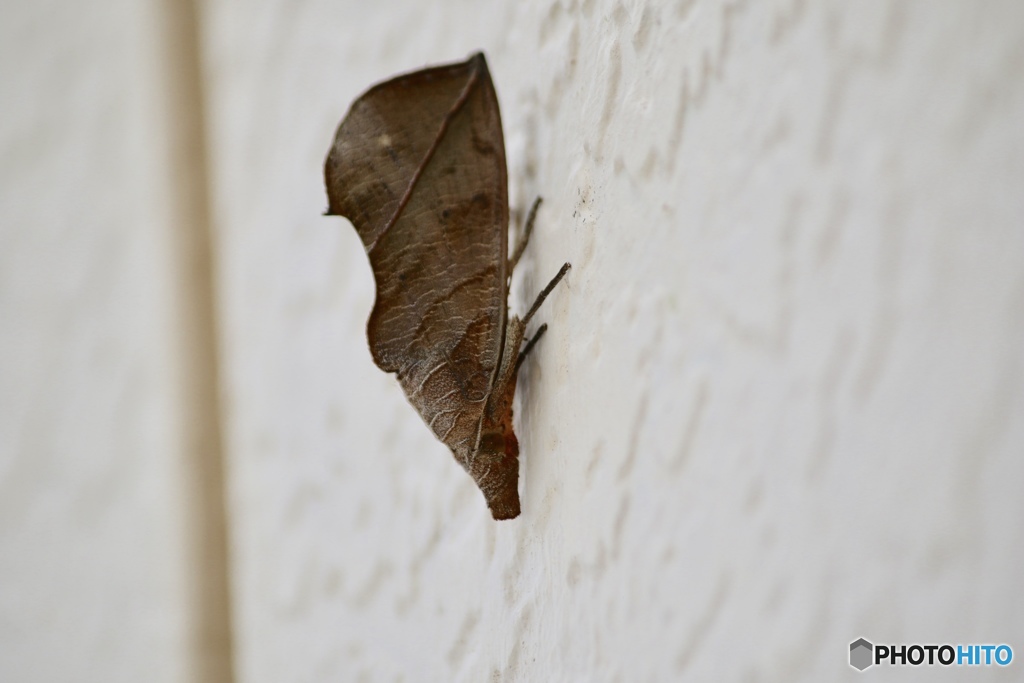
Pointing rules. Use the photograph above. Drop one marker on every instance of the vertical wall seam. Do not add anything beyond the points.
(210, 635)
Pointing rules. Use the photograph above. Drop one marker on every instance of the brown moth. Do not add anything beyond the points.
(418, 167)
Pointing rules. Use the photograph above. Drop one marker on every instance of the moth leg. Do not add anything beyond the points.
(527, 231)
(547, 290)
(531, 342)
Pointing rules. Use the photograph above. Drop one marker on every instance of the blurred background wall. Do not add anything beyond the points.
(112, 543)
(780, 405)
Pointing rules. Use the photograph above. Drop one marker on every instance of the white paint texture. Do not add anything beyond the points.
(780, 404)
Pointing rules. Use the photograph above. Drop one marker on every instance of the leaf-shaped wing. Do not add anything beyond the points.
(418, 166)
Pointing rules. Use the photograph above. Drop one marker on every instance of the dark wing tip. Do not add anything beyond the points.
(478, 63)
(507, 507)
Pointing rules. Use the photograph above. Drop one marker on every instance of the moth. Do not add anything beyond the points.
(418, 167)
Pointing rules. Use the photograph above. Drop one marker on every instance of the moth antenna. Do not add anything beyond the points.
(527, 231)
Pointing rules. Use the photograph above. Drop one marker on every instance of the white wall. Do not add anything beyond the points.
(780, 404)
(111, 536)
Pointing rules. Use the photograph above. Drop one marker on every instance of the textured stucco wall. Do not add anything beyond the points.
(780, 402)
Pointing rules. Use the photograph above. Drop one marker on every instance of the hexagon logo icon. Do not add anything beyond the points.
(860, 654)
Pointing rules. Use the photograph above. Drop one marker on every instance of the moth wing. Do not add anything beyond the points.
(418, 166)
